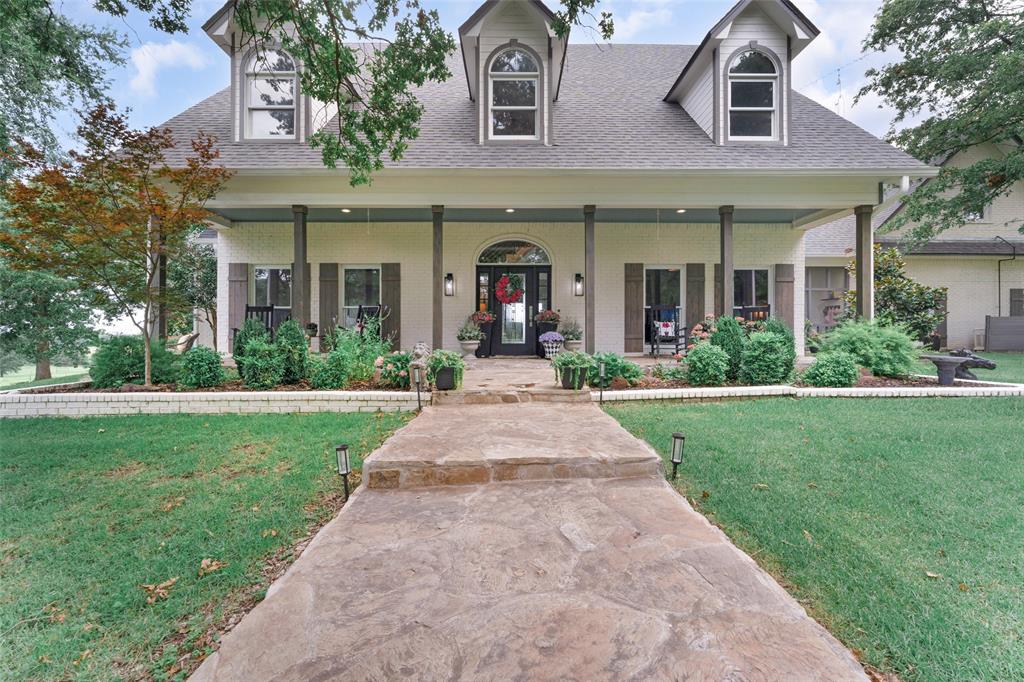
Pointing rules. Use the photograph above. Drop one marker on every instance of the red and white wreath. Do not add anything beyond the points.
(509, 289)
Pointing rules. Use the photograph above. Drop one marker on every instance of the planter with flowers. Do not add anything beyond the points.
(444, 369)
(573, 335)
(571, 368)
(484, 319)
(469, 337)
(547, 321)
(551, 342)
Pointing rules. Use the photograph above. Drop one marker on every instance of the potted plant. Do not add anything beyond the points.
(485, 320)
(573, 335)
(469, 336)
(571, 368)
(547, 320)
(552, 343)
(444, 369)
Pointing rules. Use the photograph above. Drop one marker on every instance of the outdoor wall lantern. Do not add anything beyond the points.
(678, 444)
(600, 382)
(449, 284)
(577, 286)
(344, 466)
(416, 379)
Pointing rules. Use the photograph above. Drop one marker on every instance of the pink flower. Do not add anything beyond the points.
(704, 335)
(390, 367)
(379, 362)
(403, 373)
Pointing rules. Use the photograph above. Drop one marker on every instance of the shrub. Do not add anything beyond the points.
(669, 372)
(445, 358)
(122, 360)
(729, 335)
(201, 368)
(358, 352)
(394, 369)
(615, 367)
(294, 351)
(251, 329)
(834, 369)
(767, 359)
(886, 351)
(777, 326)
(707, 365)
(328, 373)
(261, 366)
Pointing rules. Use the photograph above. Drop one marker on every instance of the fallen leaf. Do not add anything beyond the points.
(84, 655)
(270, 532)
(705, 495)
(208, 566)
(933, 576)
(963, 587)
(760, 486)
(88, 627)
(812, 485)
(45, 659)
(101, 430)
(173, 503)
(808, 537)
(159, 591)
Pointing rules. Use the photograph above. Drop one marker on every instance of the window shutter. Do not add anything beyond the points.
(782, 306)
(1016, 302)
(694, 294)
(238, 296)
(634, 308)
(718, 288)
(328, 298)
(391, 299)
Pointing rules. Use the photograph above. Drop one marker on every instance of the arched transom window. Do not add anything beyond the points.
(270, 95)
(753, 97)
(514, 78)
(514, 252)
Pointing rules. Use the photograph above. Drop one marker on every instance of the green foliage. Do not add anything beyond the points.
(122, 360)
(10, 362)
(615, 367)
(440, 359)
(767, 359)
(707, 365)
(834, 369)
(886, 351)
(899, 300)
(251, 329)
(469, 331)
(328, 373)
(958, 74)
(571, 330)
(777, 326)
(201, 368)
(291, 344)
(394, 370)
(358, 352)
(577, 363)
(192, 276)
(262, 366)
(730, 336)
(669, 372)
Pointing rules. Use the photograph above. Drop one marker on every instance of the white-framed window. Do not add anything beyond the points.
(360, 287)
(663, 286)
(753, 97)
(823, 302)
(270, 85)
(976, 217)
(750, 288)
(272, 285)
(513, 84)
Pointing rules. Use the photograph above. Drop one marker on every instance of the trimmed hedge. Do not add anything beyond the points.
(261, 365)
(767, 359)
(201, 368)
(730, 337)
(833, 369)
(291, 344)
(707, 365)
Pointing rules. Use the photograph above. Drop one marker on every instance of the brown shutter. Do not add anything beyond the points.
(391, 299)
(718, 288)
(785, 280)
(238, 295)
(329, 309)
(1016, 302)
(694, 293)
(634, 307)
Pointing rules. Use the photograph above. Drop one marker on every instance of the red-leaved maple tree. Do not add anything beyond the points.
(104, 217)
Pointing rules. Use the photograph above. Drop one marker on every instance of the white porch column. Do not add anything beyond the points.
(865, 263)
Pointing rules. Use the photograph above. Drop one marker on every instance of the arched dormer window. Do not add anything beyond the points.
(753, 97)
(513, 84)
(270, 96)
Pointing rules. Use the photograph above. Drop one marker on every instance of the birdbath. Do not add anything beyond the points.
(946, 364)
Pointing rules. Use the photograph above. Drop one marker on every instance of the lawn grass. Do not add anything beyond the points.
(1009, 367)
(897, 522)
(94, 508)
(23, 378)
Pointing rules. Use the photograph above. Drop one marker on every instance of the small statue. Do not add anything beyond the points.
(420, 354)
(963, 370)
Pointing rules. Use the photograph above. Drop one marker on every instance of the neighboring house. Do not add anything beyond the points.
(616, 179)
(981, 263)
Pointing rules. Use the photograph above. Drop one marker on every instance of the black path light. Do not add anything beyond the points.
(417, 378)
(600, 380)
(678, 444)
(344, 466)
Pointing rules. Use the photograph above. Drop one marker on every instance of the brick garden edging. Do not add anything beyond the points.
(736, 392)
(23, 405)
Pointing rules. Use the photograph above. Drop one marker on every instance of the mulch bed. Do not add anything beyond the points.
(232, 385)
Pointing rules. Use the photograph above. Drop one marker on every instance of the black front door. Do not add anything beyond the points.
(514, 332)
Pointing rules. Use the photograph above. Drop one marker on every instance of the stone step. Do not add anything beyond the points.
(510, 395)
(475, 444)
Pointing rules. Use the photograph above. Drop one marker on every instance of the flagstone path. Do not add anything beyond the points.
(603, 573)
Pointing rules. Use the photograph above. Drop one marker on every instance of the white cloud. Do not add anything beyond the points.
(151, 58)
(647, 15)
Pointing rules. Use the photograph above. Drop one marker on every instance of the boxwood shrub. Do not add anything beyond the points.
(730, 337)
(251, 329)
(201, 368)
(261, 365)
(291, 344)
(834, 369)
(885, 350)
(329, 372)
(707, 365)
(122, 360)
(767, 359)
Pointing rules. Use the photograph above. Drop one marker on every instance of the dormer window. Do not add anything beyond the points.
(753, 99)
(513, 80)
(270, 96)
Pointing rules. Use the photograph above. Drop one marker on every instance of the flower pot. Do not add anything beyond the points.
(483, 350)
(573, 344)
(444, 379)
(573, 378)
(551, 348)
(469, 348)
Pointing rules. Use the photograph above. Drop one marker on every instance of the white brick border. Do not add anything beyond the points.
(85, 404)
(727, 392)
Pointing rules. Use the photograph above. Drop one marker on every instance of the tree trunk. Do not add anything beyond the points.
(148, 375)
(211, 319)
(43, 361)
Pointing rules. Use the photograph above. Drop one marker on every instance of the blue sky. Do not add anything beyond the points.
(165, 74)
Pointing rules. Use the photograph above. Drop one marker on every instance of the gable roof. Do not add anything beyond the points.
(610, 116)
(839, 237)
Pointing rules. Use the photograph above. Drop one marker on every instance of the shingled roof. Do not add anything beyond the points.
(609, 115)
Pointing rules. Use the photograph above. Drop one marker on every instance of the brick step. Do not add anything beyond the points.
(504, 396)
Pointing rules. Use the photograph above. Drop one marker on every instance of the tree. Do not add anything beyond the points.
(10, 362)
(192, 275)
(962, 68)
(899, 300)
(42, 316)
(105, 217)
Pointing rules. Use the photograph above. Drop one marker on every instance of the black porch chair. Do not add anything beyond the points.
(263, 313)
(667, 329)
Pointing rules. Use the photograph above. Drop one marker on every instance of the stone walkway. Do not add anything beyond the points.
(608, 576)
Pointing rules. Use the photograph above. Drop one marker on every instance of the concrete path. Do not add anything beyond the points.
(595, 578)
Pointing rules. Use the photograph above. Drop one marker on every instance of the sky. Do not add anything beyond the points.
(165, 74)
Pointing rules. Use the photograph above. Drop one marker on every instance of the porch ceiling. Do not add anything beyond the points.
(524, 215)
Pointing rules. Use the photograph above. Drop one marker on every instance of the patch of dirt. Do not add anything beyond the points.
(125, 470)
(869, 381)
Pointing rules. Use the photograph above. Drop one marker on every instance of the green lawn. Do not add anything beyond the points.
(23, 378)
(94, 508)
(897, 522)
(1009, 367)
